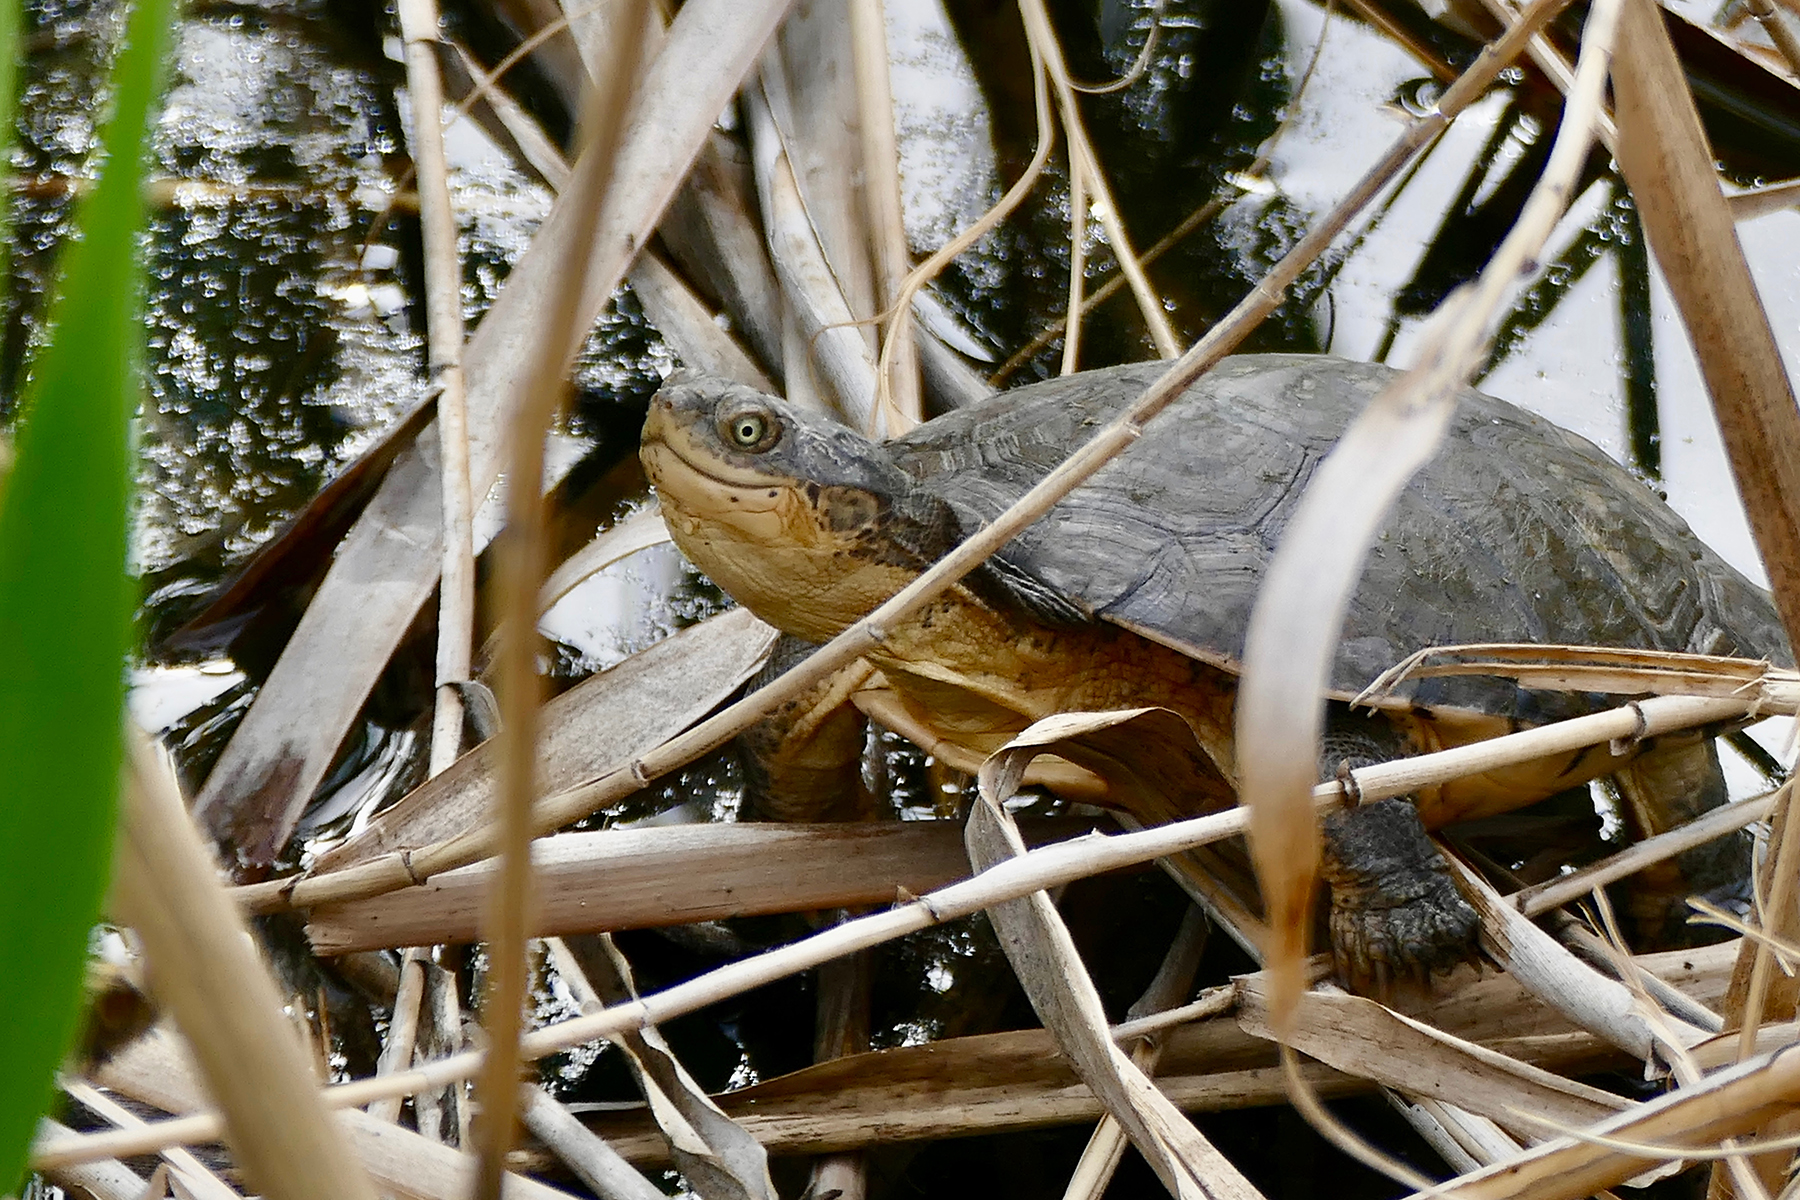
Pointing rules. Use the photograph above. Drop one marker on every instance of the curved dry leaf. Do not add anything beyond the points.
(1544, 967)
(1360, 1037)
(639, 531)
(1288, 650)
(721, 1160)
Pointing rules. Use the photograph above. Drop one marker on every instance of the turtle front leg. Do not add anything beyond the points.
(1396, 912)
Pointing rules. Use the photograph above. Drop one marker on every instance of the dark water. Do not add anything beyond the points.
(284, 335)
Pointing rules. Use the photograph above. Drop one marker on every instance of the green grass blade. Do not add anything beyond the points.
(65, 607)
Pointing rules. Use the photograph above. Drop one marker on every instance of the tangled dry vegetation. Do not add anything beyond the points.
(797, 216)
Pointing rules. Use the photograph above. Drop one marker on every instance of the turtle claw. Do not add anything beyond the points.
(1395, 911)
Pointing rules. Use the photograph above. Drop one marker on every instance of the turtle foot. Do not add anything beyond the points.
(1396, 913)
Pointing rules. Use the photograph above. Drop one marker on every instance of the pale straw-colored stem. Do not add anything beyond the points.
(521, 575)
(444, 345)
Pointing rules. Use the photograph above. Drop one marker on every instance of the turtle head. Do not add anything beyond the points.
(804, 522)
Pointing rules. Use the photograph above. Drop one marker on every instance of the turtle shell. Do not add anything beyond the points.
(1518, 531)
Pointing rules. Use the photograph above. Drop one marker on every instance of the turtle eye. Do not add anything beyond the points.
(750, 430)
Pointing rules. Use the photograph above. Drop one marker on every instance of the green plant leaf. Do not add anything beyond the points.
(65, 604)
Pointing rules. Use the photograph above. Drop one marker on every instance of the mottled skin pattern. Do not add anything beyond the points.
(1135, 590)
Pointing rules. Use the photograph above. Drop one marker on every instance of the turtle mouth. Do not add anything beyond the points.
(680, 480)
(669, 450)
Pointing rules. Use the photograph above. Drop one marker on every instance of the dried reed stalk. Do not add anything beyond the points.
(521, 577)
(1540, 898)
(1665, 159)
(167, 888)
(403, 1029)
(443, 346)
(899, 384)
(1777, 28)
(1555, 67)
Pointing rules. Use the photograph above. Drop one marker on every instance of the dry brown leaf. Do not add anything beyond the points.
(720, 1160)
(1288, 651)
(1360, 1037)
(1047, 964)
(604, 721)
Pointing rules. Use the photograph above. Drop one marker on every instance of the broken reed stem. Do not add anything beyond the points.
(403, 1029)
(1071, 355)
(1037, 870)
(444, 374)
(396, 871)
(521, 575)
(1084, 166)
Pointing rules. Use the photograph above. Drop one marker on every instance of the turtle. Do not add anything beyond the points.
(1136, 590)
